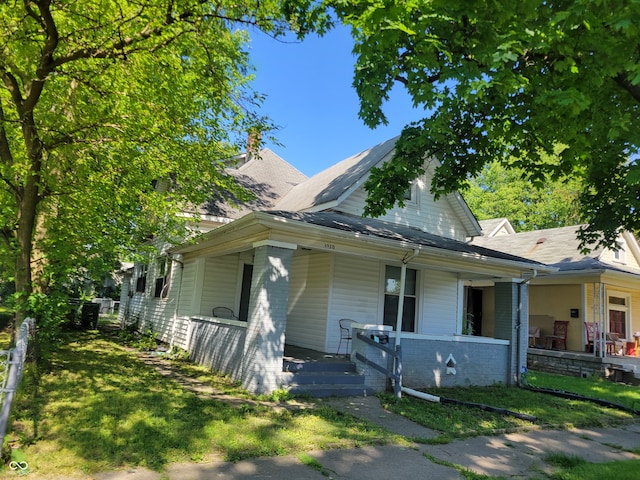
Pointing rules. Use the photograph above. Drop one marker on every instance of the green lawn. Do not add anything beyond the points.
(100, 408)
(593, 387)
(457, 421)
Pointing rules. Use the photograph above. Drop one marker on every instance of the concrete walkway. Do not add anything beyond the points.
(513, 455)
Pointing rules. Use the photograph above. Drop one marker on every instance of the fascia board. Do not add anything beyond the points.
(472, 220)
(633, 245)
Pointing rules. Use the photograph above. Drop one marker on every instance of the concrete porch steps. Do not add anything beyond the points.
(324, 379)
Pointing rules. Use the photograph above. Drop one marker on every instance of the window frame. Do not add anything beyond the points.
(141, 278)
(163, 270)
(625, 308)
(390, 317)
(620, 254)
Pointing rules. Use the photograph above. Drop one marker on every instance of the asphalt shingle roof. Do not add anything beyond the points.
(386, 230)
(268, 176)
(557, 247)
(328, 185)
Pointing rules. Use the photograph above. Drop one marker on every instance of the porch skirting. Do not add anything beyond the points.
(217, 345)
(580, 364)
(477, 361)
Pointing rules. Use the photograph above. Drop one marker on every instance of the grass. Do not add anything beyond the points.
(100, 408)
(457, 421)
(572, 468)
(593, 387)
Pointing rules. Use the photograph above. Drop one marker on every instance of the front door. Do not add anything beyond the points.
(245, 292)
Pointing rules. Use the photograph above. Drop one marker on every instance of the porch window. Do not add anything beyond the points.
(392, 298)
(245, 292)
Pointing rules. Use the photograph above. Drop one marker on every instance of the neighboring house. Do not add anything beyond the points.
(602, 286)
(293, 266)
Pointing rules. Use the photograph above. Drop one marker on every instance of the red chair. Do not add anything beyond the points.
(593, 335)
(559, 336)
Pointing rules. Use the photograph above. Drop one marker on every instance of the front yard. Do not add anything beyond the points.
(99, 407)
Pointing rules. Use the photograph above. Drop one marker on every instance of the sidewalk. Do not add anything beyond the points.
(513, 455)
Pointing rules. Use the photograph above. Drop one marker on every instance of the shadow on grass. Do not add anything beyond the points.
(106, 409)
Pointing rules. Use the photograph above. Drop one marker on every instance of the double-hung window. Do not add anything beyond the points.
(141, 278)
(163, 268)
(392, 298)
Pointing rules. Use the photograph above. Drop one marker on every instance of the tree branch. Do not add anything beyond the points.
(33, 89)
(622, 79)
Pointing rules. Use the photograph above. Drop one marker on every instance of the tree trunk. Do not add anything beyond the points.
(27, 198)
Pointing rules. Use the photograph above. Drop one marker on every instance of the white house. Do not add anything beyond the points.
(302, 257)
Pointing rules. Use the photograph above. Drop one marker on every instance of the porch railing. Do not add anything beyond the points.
(11, 368)
(395, 374)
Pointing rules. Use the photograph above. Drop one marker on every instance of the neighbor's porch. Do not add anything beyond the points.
(583, 364)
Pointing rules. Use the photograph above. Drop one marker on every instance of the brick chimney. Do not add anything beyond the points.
(254, 137)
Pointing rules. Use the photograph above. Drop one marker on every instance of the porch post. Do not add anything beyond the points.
(512, 323)
(267, 320)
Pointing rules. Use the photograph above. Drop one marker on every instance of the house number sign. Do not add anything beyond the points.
(330, 246)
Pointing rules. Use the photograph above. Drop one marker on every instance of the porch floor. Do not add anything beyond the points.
(299, 354)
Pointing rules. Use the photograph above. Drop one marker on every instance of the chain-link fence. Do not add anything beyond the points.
(11, 368)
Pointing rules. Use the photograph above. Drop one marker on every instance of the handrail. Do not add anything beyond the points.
(396, 352)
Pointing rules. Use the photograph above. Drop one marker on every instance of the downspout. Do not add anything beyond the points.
(408, 256)
(178, 260)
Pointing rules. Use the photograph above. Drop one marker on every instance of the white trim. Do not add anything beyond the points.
(460, 307)
(221, 321)
(275, 243)
(454, 338)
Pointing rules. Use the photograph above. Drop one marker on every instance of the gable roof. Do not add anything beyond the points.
(558, 247)
(267, 175)
(496, 226)
(328, 186)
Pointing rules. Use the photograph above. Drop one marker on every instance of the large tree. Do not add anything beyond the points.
(501, 80)
(498, 192)
(100, 98)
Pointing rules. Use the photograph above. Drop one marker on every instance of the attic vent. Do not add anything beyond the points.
(541, 240)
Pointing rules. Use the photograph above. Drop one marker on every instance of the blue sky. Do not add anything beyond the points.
(310, 96)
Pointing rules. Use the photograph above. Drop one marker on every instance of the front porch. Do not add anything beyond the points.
(583, 364)
(320, 374)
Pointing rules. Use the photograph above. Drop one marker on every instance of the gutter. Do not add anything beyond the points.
(288, 224)
(270, 221)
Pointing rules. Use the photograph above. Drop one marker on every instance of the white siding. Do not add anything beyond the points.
(439, 303)
(187, 288)
(628, 258)
(439, 218)
(308, 300)
(221, 282)
(185, 299)
(355, 294)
